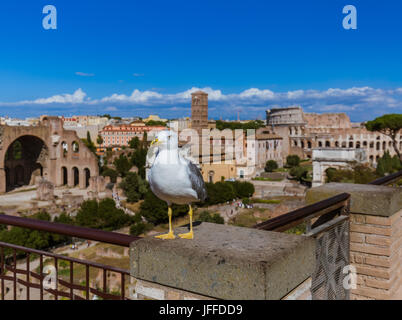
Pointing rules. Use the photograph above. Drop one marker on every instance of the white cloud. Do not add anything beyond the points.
(138, 74)
(77, 97)
(252, 101)
(83, 74)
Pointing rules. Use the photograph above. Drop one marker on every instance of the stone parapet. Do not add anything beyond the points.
(224, 262)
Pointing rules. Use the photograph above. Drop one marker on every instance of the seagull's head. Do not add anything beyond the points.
(165, 139)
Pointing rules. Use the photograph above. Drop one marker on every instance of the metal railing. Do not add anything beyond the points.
(390, 179)
(327, 222)
(36, 282)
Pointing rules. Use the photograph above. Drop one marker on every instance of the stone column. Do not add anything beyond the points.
(375, 237)
(2, 180)
(70, 176)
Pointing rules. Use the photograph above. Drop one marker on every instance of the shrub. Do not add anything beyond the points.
(206, 216)
(138, 228)
(299, 173)
(156, 211)
(102, 215)
(134, 187)
(387, 164)
(108, 172)
(271, 165)
(292, 160)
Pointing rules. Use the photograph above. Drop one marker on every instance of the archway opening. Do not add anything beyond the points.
(25, 159)
(64, 175)
(76, 176)
(87, 176)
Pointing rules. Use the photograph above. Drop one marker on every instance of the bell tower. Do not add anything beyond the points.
(199, 111)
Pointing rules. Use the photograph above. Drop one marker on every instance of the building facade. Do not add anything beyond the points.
(120, 135)
(302, 132)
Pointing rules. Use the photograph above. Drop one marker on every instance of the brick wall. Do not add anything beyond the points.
(376, 252)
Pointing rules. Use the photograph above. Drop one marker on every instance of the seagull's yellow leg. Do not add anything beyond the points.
(189, 235)
(170, 234)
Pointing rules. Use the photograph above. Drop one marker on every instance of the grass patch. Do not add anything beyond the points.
(250, 218)
(267, 201)
(267, 179)
(299, 229)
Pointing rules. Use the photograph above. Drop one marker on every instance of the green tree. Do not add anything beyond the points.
(109, 172)
(155, 210)
(138, 159)
(292, 160)
(99, 140)
(206, 216)
(299, 173)
(122, 164)
(155, 123)
(134, 187)
(271, 165)
(134, 143)
(102, 215)
(389, 125)
(387, 164)
(89, 143)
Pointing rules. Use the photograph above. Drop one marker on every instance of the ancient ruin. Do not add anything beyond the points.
(47, 151)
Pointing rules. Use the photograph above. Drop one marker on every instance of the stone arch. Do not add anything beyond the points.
(25, 159)
(75, 146)
(76, 176)
(211, 174)
(64, 148)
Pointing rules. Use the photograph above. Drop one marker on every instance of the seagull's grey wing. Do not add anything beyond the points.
(197, 182)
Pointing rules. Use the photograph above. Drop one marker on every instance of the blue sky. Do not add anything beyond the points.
(144, 57)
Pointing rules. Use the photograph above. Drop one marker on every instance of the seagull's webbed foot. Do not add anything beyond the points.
(168, 236)
(188, 235)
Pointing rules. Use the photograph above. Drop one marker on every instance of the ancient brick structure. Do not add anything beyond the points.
(45, 150)
(301, 132)
(199, 111)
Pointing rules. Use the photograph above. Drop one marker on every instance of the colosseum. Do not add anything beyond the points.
(302, 132)
(45, 150)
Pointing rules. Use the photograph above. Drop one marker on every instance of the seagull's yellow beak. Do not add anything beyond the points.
(155, 141)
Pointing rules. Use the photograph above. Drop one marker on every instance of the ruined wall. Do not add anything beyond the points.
(327, 120)
(64, 160)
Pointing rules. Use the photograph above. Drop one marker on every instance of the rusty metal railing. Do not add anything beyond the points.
(25, 281)
(69, 230)
(390, 179)
(327, 222)
(324, 211)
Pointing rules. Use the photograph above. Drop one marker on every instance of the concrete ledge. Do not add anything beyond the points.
(226, 262)
(365, 199)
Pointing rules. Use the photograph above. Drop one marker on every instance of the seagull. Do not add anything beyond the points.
(173, 178)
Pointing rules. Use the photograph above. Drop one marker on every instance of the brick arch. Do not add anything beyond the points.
(22, 168)
(50, 130)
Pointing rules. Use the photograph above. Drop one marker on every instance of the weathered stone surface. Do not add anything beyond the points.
(45, 190)
(365, 199)
(226, 262)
